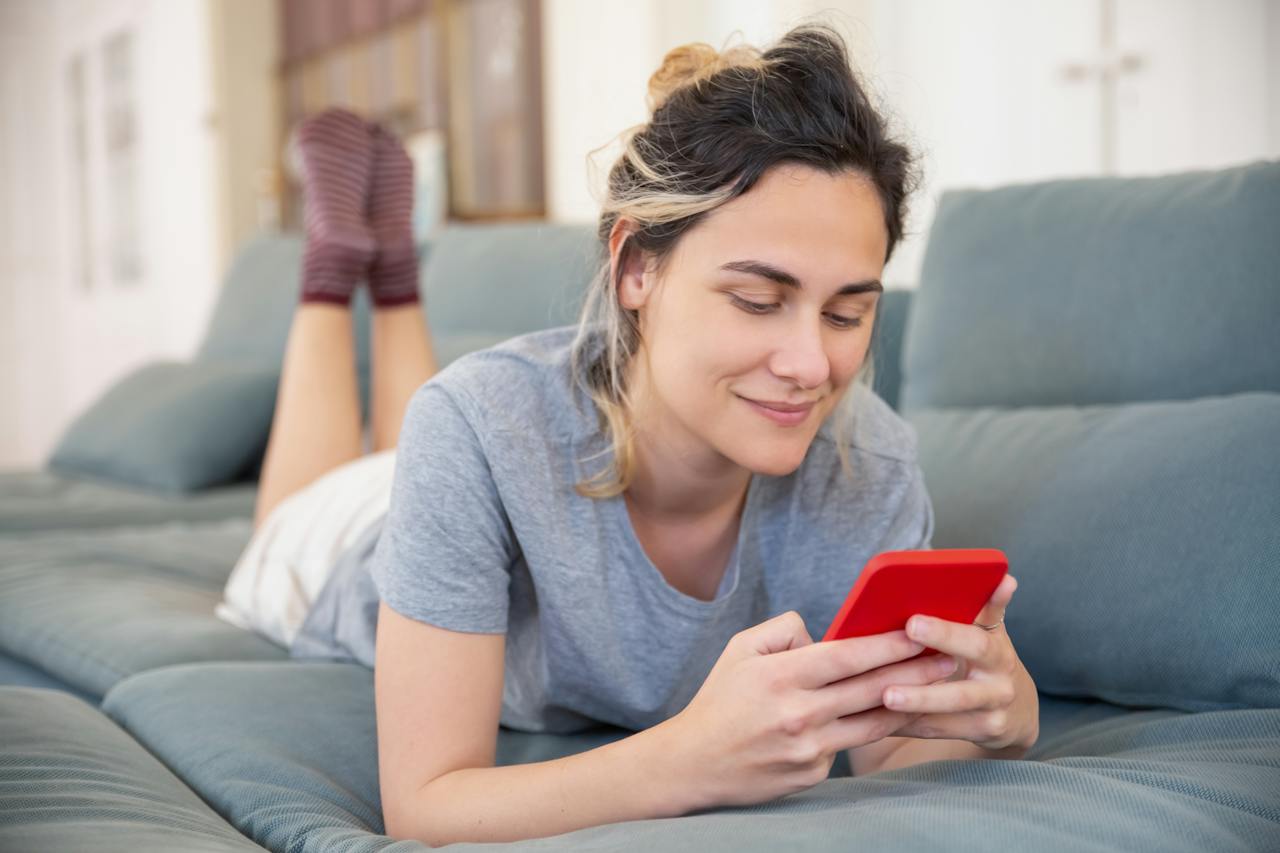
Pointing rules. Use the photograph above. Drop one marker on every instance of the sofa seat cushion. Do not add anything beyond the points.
(288, 754)
(71, 780)
(38, 500)
(91, 607)
(1145, 539)
(20, 674)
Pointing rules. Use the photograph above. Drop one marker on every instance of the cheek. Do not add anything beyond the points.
(701, 351)
(847, 357)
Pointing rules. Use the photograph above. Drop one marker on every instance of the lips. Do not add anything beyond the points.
(784, 414)
(783, 407)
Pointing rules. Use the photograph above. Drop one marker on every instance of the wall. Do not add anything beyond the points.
(63, 342)
(977, 86)
(244, 43)
(597, 58)
(31, 342)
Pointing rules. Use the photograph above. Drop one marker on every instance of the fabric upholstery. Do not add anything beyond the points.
(72, 781)
(507, 279)
(91, 607)
(1099, 290)
(891, 319)
(173, 427)
(35, 501)
(287, 752)
(1145, 540)
(15, 672)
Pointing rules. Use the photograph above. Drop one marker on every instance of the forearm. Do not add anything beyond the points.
(906, 751)
(624, 780)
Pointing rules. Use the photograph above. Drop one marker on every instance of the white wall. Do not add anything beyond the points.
(31, 341)
(977, 87)
(65, 343)
(597, 59)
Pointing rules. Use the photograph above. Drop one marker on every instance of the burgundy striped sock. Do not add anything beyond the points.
(393, 275)
(336, 157)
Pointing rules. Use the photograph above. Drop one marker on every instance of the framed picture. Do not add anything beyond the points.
(468, 71)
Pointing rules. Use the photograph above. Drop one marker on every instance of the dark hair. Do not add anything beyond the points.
(719, 121)
(714, 134)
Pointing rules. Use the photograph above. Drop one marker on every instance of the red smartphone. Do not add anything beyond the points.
(949, 583)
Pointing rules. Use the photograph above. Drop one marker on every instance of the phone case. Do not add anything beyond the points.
(949, 583)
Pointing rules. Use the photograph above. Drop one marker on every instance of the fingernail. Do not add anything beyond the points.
(892, 697)
(946, 666)
(918, 627)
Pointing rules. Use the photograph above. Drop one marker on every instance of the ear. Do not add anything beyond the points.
(627, 266)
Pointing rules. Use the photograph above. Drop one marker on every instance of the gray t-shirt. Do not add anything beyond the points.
(485, 533)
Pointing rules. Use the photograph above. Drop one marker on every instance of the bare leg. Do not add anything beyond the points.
(316, 425)
(402, 361)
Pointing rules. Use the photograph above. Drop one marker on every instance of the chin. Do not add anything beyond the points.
(779, 463)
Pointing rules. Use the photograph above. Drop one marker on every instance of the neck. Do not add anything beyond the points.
(677, 476)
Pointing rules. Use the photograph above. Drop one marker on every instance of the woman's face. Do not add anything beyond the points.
(760, 319)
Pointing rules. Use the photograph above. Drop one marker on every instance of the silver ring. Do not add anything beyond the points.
(991, 627)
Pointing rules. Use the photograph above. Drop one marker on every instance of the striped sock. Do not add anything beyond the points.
(393, 275)
(335, 156)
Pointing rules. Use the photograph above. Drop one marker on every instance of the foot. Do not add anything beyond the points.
(393, 275)
(335, 156)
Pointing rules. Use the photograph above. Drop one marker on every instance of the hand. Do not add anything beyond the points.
(990, 701)
(777, 707)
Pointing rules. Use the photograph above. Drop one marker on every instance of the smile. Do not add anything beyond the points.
(780, 413)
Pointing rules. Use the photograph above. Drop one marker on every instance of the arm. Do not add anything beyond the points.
(439, 700)
(620, 781)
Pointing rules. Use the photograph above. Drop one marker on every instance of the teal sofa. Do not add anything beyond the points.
(1092, 367)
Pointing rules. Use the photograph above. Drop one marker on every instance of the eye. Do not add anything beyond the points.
(752, 307)
(842, 322)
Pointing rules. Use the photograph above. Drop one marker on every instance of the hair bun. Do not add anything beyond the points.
(692, 63)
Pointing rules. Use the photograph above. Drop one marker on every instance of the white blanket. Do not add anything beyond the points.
(289, 557)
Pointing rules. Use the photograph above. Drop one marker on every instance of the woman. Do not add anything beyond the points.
(645, 521)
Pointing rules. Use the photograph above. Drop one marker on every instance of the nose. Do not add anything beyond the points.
(801, 357)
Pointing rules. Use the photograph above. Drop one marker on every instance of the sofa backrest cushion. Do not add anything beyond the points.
(507, 279)
(1093, 372)
(1099, 290)
(1145, 539)
(250, 320)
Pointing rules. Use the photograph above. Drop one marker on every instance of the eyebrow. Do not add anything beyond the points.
(783, 277)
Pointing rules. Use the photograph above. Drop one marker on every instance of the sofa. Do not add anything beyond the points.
(1092, 368)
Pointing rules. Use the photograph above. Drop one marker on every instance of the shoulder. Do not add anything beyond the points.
(523, 383)
(870, 426)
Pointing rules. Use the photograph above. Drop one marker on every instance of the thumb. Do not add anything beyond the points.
(782, 632)
(993, 611)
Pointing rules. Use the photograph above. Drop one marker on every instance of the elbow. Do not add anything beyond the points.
(400, 811)
(393, 824)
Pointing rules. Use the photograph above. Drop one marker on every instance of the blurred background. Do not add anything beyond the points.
(142, 141)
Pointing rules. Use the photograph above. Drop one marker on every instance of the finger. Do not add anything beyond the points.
(836, 660)
(866, 727)
(993, 611)
(964, 725)
(866, 691)
(949, 697)
(984, 648)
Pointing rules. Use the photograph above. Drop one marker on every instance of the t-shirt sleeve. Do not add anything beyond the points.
(445, 552)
